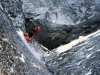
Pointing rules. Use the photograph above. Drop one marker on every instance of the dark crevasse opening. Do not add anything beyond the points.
(64, 34)
(61, 21)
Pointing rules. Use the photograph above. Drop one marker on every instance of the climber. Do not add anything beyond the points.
(32, 32)
(27, 37)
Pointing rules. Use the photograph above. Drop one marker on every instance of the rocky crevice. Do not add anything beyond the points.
(62, 34)
(81, 59)
(15, 56)
(16, 59)
(62, 21)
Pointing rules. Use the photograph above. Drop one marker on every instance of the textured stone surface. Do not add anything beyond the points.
(14, 10)
(81, 59)
(15, 57)
(69, 12)
(61, 21)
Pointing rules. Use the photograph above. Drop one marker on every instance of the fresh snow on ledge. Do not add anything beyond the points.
(31, 49)
(66, 47)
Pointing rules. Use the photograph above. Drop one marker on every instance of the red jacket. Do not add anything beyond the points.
(35, 31)
(27, 39)
(26, 34)
(32, 32)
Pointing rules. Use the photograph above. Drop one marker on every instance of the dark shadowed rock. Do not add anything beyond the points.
(72, 17)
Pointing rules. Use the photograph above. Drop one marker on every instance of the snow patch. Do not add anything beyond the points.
(66, 47)
(37, 66)
(91, 48)
(89, 73)
(11, 70)
(1, 6)
(79, 62)
(22, 58)
(31, 49)
(6, 39)
(83, 9)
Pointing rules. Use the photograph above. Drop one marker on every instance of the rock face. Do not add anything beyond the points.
(61, 21)
(14, 10)
(15, 57)
(81, 59)
(69, 12)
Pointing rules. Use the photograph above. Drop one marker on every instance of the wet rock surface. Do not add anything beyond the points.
(61, 21)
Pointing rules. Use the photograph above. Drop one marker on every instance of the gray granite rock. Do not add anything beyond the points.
(73, 17)
(69, 12)
(15, 56)
(14, 10)
(81, 59)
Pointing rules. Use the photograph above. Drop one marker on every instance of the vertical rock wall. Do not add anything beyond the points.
(15, 57)
(14, 10)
